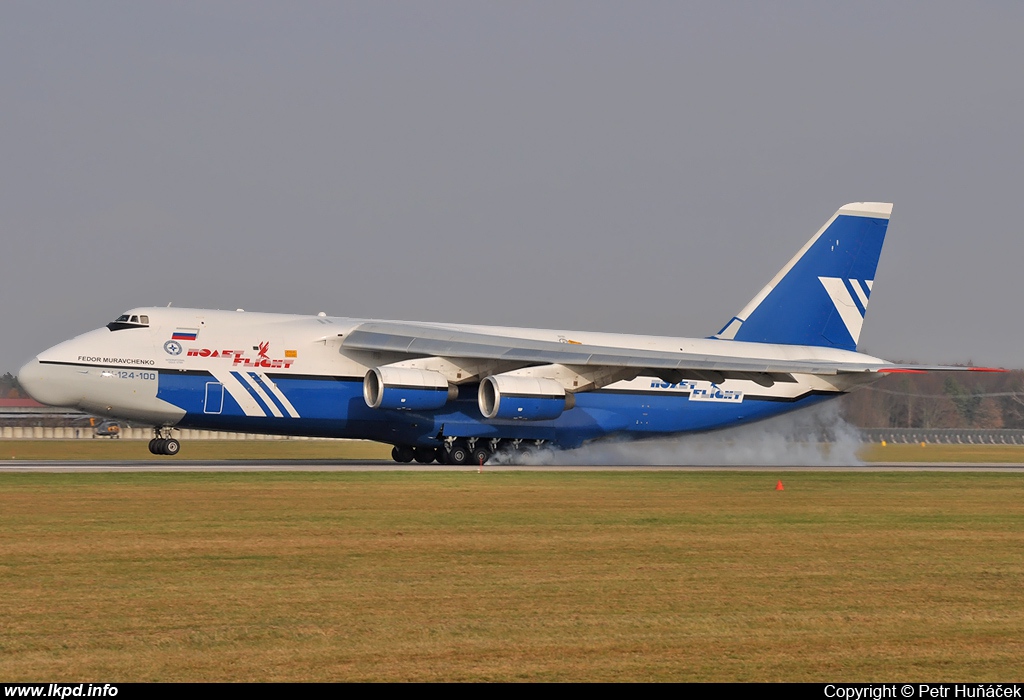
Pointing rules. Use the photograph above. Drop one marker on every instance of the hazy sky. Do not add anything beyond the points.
(635, 167)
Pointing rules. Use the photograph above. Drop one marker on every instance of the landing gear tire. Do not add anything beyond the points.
(403, 454)
(480, 455)
(458, 453)
(424, 455)
(164, 446)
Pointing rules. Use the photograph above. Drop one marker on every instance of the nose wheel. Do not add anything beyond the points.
(164, 446)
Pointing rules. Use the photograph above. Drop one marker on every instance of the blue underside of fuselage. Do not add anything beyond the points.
(334, 407)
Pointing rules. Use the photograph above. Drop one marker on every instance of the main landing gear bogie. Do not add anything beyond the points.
(403, 454)
(424, 455)
(466, 451)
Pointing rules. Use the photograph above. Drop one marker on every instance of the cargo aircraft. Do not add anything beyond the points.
(459, 394)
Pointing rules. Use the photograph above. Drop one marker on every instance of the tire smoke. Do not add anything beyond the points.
(814, 436)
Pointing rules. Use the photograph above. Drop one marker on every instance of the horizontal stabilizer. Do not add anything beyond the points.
(925, 369)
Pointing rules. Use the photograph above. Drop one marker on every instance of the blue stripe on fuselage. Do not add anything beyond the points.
(334, 407)
(187, 391)
(269, 392)
(253, 393)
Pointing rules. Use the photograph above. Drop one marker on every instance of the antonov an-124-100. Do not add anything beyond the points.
(460, 394)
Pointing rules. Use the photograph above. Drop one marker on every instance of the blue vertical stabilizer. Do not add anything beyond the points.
(820, 296)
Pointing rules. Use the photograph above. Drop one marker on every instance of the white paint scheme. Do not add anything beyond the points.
(456, 371)
(576, 379)
(77, 381)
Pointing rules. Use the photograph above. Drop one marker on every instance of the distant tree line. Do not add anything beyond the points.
(939, 400)
(9, 387)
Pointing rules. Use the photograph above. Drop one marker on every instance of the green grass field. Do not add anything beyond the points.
(512, 576)
(194, 449)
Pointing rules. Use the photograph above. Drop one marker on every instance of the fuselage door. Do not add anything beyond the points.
(214, 402)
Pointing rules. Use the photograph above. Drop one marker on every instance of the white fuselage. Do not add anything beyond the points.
(289, 373)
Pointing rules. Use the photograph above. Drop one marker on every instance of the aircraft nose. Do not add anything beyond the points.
(42, 384)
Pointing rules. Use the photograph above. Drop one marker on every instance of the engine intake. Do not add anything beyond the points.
(408, 389)
(522, 398)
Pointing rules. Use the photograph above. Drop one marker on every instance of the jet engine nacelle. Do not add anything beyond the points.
(405, 388)
(523, 398)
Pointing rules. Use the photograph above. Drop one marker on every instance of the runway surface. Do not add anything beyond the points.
(51, 466)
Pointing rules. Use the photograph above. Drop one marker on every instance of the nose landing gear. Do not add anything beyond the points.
(161, 445)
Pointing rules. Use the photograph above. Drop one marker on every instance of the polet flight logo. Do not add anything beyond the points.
(239, 358)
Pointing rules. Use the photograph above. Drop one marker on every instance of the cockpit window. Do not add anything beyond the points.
(125, 321)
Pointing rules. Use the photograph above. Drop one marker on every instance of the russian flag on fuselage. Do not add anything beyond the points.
(185, 334)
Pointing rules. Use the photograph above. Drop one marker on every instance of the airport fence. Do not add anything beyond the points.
(39, 432)
(942, 436)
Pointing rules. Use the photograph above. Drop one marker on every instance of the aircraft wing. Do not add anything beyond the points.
(427, 340)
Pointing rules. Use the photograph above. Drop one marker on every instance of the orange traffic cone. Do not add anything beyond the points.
(779, 486)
